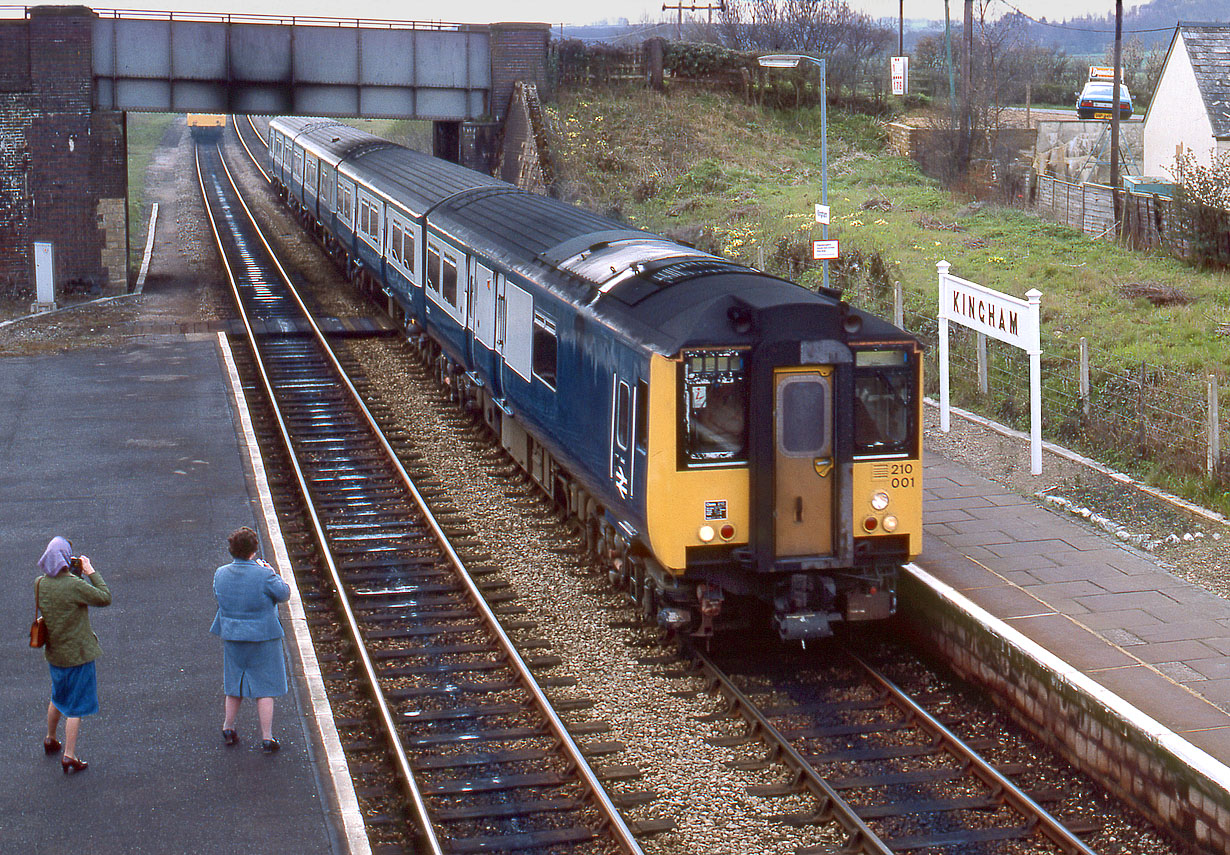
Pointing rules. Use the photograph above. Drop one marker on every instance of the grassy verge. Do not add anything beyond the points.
(741, 181)
(145, 132)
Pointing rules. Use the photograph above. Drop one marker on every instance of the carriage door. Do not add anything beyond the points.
(803, 460)
(623, 404)
(482, 310)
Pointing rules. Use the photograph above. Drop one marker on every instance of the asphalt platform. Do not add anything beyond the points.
(132, 454)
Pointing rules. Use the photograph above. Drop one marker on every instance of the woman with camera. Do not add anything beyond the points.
(248, 591)
(68, 587)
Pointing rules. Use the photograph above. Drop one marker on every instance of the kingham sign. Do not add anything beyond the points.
(1002, 317)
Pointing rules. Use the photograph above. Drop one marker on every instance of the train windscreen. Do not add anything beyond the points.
(884, 405)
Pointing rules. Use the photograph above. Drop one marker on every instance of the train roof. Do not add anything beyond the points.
(328, 139)
(417, 182)
(670, 292)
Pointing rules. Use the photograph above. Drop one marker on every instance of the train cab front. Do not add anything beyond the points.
(787, 467)
(835, 473)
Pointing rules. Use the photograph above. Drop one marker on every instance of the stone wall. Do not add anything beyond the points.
(524, 155)
(63, 166)
(1107, 743)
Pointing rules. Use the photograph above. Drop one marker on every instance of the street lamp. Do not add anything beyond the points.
(793, 60)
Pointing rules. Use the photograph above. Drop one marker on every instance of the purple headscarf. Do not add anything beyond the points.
(56, 556)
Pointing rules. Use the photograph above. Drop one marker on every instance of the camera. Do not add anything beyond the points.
(74, 564)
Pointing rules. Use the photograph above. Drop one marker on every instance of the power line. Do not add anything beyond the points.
(1080, 29)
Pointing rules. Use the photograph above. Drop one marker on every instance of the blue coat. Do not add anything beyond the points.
(248, 596)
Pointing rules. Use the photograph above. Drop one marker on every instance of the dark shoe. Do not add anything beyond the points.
(72, 764)
(270, 745)
(51, 745)
(230, 737)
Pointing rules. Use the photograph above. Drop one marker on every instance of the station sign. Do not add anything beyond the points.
(825, 250)
(1001, 316)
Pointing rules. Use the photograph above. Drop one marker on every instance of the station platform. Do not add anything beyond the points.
(131, 453)
(1110, 611)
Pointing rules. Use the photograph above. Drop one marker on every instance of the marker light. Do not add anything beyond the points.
(870, 523)
(706, 533)
(728, 531)
(890, 523)
(880, 501)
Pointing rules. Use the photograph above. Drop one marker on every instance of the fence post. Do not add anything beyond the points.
(898, 304)
(760, 257)
(1214, 429)
(983, 386)
(1141, 432)
(1084, 376)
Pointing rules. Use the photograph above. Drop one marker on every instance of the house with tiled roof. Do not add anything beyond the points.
(1191, 107)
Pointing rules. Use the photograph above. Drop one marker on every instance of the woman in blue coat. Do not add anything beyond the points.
(253, 666)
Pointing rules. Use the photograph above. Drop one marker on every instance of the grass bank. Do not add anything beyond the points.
(145, 133)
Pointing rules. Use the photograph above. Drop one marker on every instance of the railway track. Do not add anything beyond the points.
(877, 766)
(484, 760)
(893, 776)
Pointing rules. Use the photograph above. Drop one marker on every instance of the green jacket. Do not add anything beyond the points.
(64, 601)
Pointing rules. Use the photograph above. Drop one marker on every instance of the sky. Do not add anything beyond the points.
(570, 11)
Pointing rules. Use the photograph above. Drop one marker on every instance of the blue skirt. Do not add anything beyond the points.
(74, 691)
(253, 669)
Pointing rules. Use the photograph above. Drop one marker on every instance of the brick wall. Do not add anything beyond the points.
(518, 52)
(63, 167)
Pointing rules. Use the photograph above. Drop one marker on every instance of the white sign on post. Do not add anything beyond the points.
(825, 250)
(900, 68)
(1010, 320)
(44, 273)
(822, 214)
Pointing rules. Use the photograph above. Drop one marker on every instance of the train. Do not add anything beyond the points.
(729, 443)
(206, 127)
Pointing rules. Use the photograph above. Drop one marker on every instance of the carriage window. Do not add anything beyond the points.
(885, 407)
(433, 269)
(641, 436)
(395, 242)
(545, 349)
(623, 402)
(803, 427)
(448, 286)
(407, 250)
(345, 208)
(714, 408)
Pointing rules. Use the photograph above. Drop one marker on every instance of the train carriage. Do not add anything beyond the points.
(716, 430)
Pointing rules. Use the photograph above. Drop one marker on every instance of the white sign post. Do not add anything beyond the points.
(899, 67)
(1010, 320)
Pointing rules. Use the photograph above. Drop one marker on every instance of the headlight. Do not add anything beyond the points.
(706, 533)
(880, 501)
(890, 523)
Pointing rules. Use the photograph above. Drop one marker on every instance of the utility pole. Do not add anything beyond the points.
(901, 28)
(965, 142)
(1114, 118)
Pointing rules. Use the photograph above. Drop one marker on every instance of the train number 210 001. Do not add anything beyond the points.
(902, 474)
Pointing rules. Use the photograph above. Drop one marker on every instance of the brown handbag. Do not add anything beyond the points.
(38, 629)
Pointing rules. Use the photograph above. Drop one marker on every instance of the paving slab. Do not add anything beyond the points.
(131, 453)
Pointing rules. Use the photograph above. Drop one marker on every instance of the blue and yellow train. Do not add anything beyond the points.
(720, 434)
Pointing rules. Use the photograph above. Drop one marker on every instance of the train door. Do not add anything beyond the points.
(481, 319)
(803, 473)
(623, 422)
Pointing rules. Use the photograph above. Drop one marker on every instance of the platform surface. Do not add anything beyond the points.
(131, 453)
(1108, 610)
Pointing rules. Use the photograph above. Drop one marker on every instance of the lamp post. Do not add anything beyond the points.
(792, 60)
